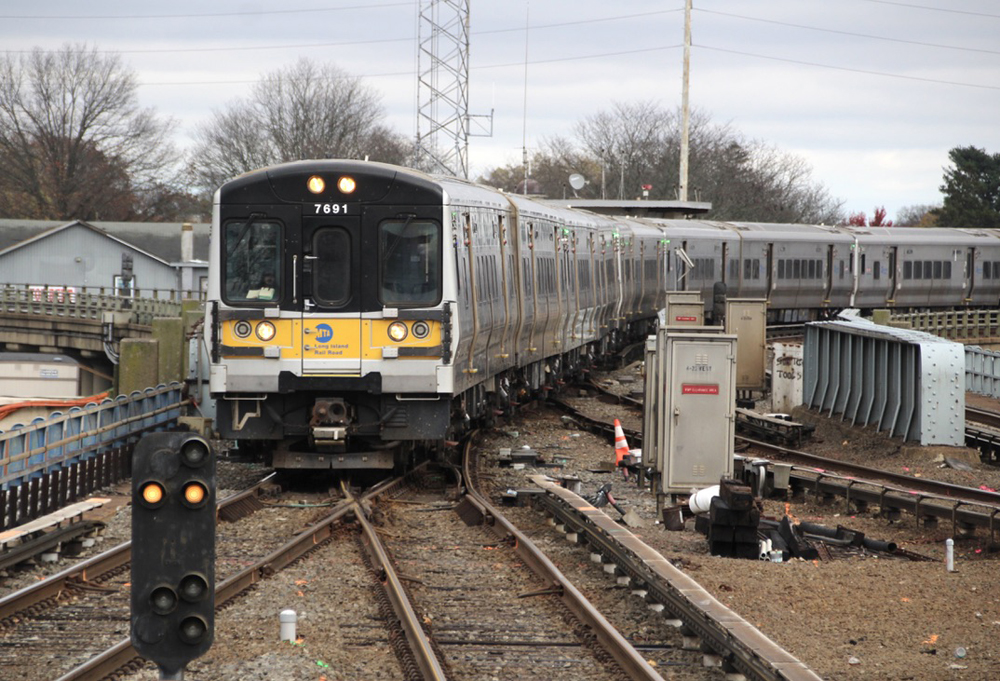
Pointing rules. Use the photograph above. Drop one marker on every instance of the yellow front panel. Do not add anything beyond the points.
(376, 334)
(331, 338)
(286, 336)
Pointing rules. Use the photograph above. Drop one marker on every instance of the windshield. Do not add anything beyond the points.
(252, 261)
(410, 258)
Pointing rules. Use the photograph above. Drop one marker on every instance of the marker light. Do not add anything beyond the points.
(152, 493)
(195, 494)
(265, 331)
(242, 328)
(316, 184)
(346, 185)
(421, 329)
(397, 331)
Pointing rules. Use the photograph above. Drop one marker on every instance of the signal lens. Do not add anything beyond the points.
(347, 185)
(195, 494)
(194, 588)
(316, 184)
(194, 453)
(152, 494)
(265, 331)
(163, 599)
(398, 331)
(192, 630)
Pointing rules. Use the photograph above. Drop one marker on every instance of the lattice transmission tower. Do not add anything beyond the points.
(443, 87)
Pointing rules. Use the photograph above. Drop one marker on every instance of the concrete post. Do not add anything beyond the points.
(138, 364)
(169, 331)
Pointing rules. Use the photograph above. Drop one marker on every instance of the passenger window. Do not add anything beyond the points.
(812, 269)
(947, 269)
(907, 270)
(409, 262)
(986, 270)
(781, 269)
(877, 269)
(938, 269)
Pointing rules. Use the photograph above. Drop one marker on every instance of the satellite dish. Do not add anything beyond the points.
(576, 181)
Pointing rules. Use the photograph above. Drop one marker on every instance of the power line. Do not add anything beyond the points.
(851, 70)
(76, 17)
(935, 9)
(602, 55)
(849, 33)
(356, 42)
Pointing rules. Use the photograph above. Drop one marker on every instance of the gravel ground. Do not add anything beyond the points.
(861, 616)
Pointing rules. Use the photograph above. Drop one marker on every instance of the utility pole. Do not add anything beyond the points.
(685, 116)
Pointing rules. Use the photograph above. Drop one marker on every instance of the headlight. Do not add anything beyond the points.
(242, 329)
(316, 184)
(265, 331)
(397, 331)
(346, 185)
(421, 329)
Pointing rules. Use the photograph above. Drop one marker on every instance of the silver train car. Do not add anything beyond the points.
(359, 313)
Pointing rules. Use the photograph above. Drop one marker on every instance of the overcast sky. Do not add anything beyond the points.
(871, 93)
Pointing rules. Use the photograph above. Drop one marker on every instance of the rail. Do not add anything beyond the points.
(91, 302)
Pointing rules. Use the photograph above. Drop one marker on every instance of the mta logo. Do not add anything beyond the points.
(324, 334)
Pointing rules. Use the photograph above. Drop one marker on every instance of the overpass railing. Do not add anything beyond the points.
(74, 445)
(91, 302)
(956, 325)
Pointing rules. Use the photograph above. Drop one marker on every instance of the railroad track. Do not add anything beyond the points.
(78, 612)
(930, 500)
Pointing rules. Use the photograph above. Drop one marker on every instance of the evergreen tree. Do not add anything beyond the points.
(971, 190)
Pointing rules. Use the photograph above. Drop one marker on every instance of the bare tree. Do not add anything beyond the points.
(74, 142)
(639, 144)
(917, 215)
(303, 111)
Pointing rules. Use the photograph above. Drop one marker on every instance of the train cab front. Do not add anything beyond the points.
(330, 325)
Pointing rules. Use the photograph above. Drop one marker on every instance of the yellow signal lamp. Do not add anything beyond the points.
(195, 494)
(316, 184)
(265, 331)
(398, 331)
(152, 493)
(347, 185)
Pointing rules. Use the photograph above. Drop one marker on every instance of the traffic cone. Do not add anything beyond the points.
(621, 446)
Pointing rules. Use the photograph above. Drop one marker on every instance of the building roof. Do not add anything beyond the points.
(160, 240)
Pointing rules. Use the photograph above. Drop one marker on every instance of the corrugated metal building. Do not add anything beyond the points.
(82, 254)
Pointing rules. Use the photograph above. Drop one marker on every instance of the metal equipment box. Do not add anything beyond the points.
(747, 319)
(682, 313)
(695, 388)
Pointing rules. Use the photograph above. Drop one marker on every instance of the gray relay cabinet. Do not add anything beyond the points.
(690, 409)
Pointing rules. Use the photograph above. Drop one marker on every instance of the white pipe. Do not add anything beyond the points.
(949, 554)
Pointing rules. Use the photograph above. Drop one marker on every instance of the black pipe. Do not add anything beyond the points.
(840, 532)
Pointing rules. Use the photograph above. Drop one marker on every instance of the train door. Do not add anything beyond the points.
(828, 277)
(970, 274)
(891, 285)
(769, 269)
(333, 288)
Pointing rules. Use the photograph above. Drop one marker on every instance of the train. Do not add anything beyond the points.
(360, 315)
